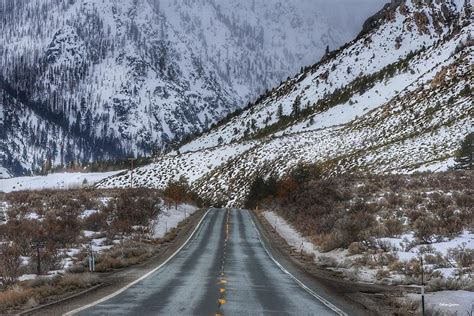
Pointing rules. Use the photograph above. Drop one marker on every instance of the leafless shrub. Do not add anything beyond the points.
(403, 307)
(331, 241)
(393, 227)
(96, 222)
(14, 297)
(325, 261)
(76, 268)
(10, 264)
(427, 229)
(450, 284)
(463, 255)
(78, 281)
(437, 260)
(50, 260)
(382, 274)
(356, 248)
(351, 274)
(42, 281)
(384, 245)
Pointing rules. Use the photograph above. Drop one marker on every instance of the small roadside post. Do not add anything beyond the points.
(301, 247)
(422, 287)
(91, 258)
(36, 245)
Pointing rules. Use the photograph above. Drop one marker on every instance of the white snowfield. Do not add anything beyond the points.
(66, 180)
(448, 302)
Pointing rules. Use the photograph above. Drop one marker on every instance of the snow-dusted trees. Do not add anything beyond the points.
(464, 155)
(280, 111)
(296, 107)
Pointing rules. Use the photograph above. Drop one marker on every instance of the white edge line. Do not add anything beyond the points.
(301, 284)
(105, 298)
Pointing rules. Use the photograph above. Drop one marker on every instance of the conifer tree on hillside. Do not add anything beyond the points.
(280, 111)
(464, 155)
(296, 107)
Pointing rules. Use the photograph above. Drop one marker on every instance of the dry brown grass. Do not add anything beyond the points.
(34, 292)
(131, 254)
(78, 281)
(341, 211)
(15, 297)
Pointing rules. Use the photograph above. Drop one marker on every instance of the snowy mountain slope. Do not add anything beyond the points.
(399, 136)
(255, 44)
(132, 85)
(400, 34)
(123, 77)
(4, 174)
(397, 110)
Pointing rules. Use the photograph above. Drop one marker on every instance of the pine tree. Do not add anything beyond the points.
(296, 107)
(280, 111)
(464, 155)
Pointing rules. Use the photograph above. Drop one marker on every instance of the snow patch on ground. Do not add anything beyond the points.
(170, 217)
(437, 166)
(448, 302)
(64, 180)
(298, 242)
(401, 244)
(26, 277)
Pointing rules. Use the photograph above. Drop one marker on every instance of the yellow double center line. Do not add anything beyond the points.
(222, 282)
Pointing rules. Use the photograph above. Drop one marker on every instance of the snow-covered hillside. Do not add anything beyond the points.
(398, 98)
(87, 80)
(4, 174)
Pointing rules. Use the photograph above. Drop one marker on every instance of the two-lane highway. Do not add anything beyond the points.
(223, 269)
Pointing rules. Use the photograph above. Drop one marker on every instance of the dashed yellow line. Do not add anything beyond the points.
(221, 301)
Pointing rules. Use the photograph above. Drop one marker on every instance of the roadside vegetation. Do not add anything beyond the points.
(376, 228)
(120, 227)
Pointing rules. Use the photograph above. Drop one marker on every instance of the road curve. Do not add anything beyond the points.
(224, 269)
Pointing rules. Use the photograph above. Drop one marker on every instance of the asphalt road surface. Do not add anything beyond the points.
(224, 269)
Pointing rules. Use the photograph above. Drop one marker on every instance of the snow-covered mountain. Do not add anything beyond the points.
(398, 98)
(85, 80)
